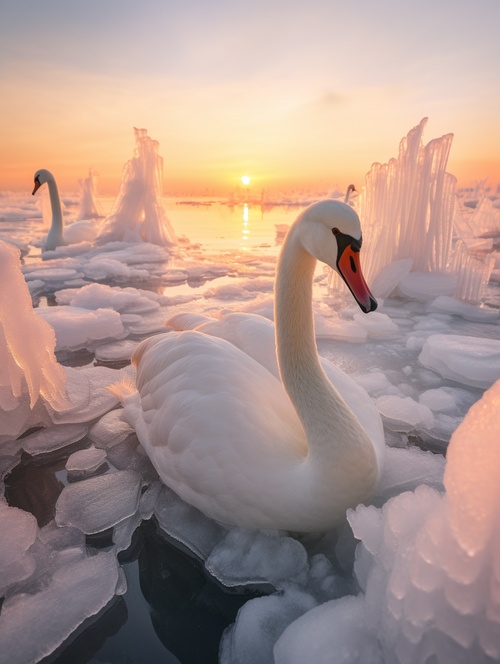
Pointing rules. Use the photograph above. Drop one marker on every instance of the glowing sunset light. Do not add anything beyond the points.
(297, 111)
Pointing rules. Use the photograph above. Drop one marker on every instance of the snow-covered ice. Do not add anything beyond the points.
(76, 327)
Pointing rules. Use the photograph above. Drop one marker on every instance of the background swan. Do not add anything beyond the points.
(348, 192)
(243, 446)
(79, 231)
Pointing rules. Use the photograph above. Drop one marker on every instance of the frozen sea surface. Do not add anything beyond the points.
(97, 557)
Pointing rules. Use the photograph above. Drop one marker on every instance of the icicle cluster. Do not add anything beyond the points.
(89, 205)
(32, 383)
(137, 214)
(406, 206)
(408, 212)
(473, 267)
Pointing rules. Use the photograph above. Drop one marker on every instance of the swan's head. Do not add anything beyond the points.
(41, 177)
(331, 232)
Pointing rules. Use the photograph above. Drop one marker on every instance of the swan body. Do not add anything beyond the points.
(85, 230)
(79, 231)
(255, 336)
(247, 445)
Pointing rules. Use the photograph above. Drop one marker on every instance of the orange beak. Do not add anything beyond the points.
(37, 187)
(349, 267)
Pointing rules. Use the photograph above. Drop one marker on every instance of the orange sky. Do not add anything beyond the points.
(295, 96)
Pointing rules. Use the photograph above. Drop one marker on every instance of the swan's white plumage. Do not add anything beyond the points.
(85, 230)
(255, 336)
(219, 426)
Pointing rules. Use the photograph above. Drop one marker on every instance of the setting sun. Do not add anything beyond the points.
(245, 179)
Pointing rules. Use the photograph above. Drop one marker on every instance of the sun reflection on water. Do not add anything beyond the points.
(245, 231)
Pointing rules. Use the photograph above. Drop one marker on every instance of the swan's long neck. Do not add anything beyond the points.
(331, 427)
(55, 203)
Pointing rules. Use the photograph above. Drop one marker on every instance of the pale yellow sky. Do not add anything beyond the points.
(295, 96)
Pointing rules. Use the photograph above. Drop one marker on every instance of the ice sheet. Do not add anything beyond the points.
(467, 360)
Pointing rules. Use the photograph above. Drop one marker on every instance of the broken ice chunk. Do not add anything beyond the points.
(187, 524)
(53, 438)
(338, 328)
(437, 400)
(110, 429)
(75, 327)
(245, 557)
(98, 503)
(378, 325)
(75, 592)
(85, 462)
(98, 296)
(18, 529)
(404, 413)
(473, 312)
(472, 361)
(405, 469)
(116, 351)
(259, 623)
(88, 394)
(333, 627)
(129, 455)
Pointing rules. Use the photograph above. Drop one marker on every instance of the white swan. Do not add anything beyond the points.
(55, 235)
(222, 431)
(348, 192)
(79, 231)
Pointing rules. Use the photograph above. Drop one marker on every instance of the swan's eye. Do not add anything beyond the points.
(335, 231)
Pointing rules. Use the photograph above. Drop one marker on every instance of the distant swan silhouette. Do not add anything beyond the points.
(55, 235)
(222, 431)
(350, 189)
(79, 231)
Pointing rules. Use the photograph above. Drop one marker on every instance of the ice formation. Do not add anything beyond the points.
(98, 503)
(473, 266)
(90, 207)
(92, 580)
(467, 360)
(137, 214)
(408, 212)
(406, 206)
(32, 383)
